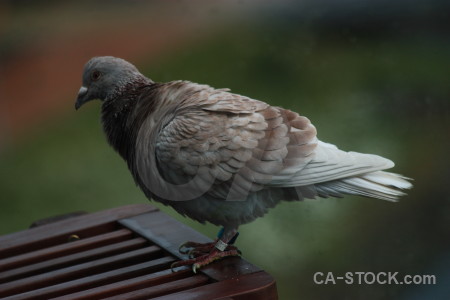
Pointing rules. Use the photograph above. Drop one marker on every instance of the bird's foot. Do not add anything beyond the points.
(193, 249)
(202, 259)
(202, 254)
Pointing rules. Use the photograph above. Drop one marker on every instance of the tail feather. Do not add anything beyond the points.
(381, 185)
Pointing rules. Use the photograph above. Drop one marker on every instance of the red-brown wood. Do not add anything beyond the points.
(76, 271)
(64, 249)
(84, 226)
(256, 286)
(106, 283)
(123, 253)
(169, 234)
(72, 259)
(165, 288)
(129, 285)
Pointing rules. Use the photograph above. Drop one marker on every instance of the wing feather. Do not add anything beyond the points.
(241, 146)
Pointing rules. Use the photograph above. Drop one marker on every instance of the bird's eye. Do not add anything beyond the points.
(96, 75)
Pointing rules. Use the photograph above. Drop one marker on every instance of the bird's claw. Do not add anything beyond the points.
(173, 266)
(184, 249)
(193, 253)
(188, 247)
(195, 267)
(205, 259)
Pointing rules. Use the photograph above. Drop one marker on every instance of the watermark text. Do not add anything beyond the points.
(325, 278)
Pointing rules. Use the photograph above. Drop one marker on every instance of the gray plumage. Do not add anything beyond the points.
(221, 157)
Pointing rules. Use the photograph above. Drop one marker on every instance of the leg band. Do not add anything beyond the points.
(221, 245)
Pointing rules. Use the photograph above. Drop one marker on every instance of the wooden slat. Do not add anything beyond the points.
(87, 225)
(57, 218)
(39, 263)
(99, 281)
(163, 231)
(126, 286)
(64, 249)
(255, 286)
(169, 234)
(76, 258)
(170, 287)
(77, 271)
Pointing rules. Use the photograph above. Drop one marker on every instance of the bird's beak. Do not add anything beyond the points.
(82, 97)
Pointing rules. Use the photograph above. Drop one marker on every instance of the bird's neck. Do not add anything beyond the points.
(117, 118)
(127, 88)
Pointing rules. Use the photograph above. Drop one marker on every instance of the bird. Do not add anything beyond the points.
(220, 157)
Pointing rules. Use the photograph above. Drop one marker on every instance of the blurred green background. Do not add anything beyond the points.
(373, 76)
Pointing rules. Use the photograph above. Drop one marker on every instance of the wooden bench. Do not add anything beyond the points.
(121, 253)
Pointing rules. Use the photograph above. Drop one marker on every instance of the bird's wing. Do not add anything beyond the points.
(227, 146)
(218, 138)
(329, 163)
(230, 144)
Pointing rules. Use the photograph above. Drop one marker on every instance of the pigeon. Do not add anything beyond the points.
(220, 157)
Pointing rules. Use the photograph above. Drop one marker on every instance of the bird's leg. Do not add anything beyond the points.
(203, 254)
(194, 249)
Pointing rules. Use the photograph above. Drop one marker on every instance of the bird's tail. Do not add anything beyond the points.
(381, 185)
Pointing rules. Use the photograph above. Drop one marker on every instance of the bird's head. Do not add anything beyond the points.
(104, 77)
